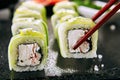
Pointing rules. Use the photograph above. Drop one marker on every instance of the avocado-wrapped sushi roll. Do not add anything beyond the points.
(69, 32)
(24, 12)
(24, 23)
(67, 5)
(27, 51)
(61, 13)
(35, 6)
(60, 17)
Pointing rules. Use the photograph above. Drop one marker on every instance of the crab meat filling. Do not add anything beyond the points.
(28, 55)
(73, 36)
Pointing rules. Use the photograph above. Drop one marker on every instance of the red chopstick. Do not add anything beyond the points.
(106, 7)
(97, 26)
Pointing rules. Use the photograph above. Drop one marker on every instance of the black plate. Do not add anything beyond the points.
(107, 67)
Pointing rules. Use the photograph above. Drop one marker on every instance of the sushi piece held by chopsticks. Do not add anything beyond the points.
(70, 31)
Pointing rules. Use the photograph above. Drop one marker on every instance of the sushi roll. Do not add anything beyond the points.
(24, 23)
(24, 12)
(56, 18)
(27, 51)
(67, 5)
(37, 7)
(70, 31)
(60, 17)
(28, 47)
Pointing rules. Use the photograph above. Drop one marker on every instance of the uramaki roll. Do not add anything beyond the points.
(24, 23)
(60, 17)
(27, 51)
(67, 5)
(70, 31)
(61, 13)
(24, 12)
(37, 7)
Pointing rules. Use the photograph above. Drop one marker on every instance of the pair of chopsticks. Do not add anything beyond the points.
(101, 22)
